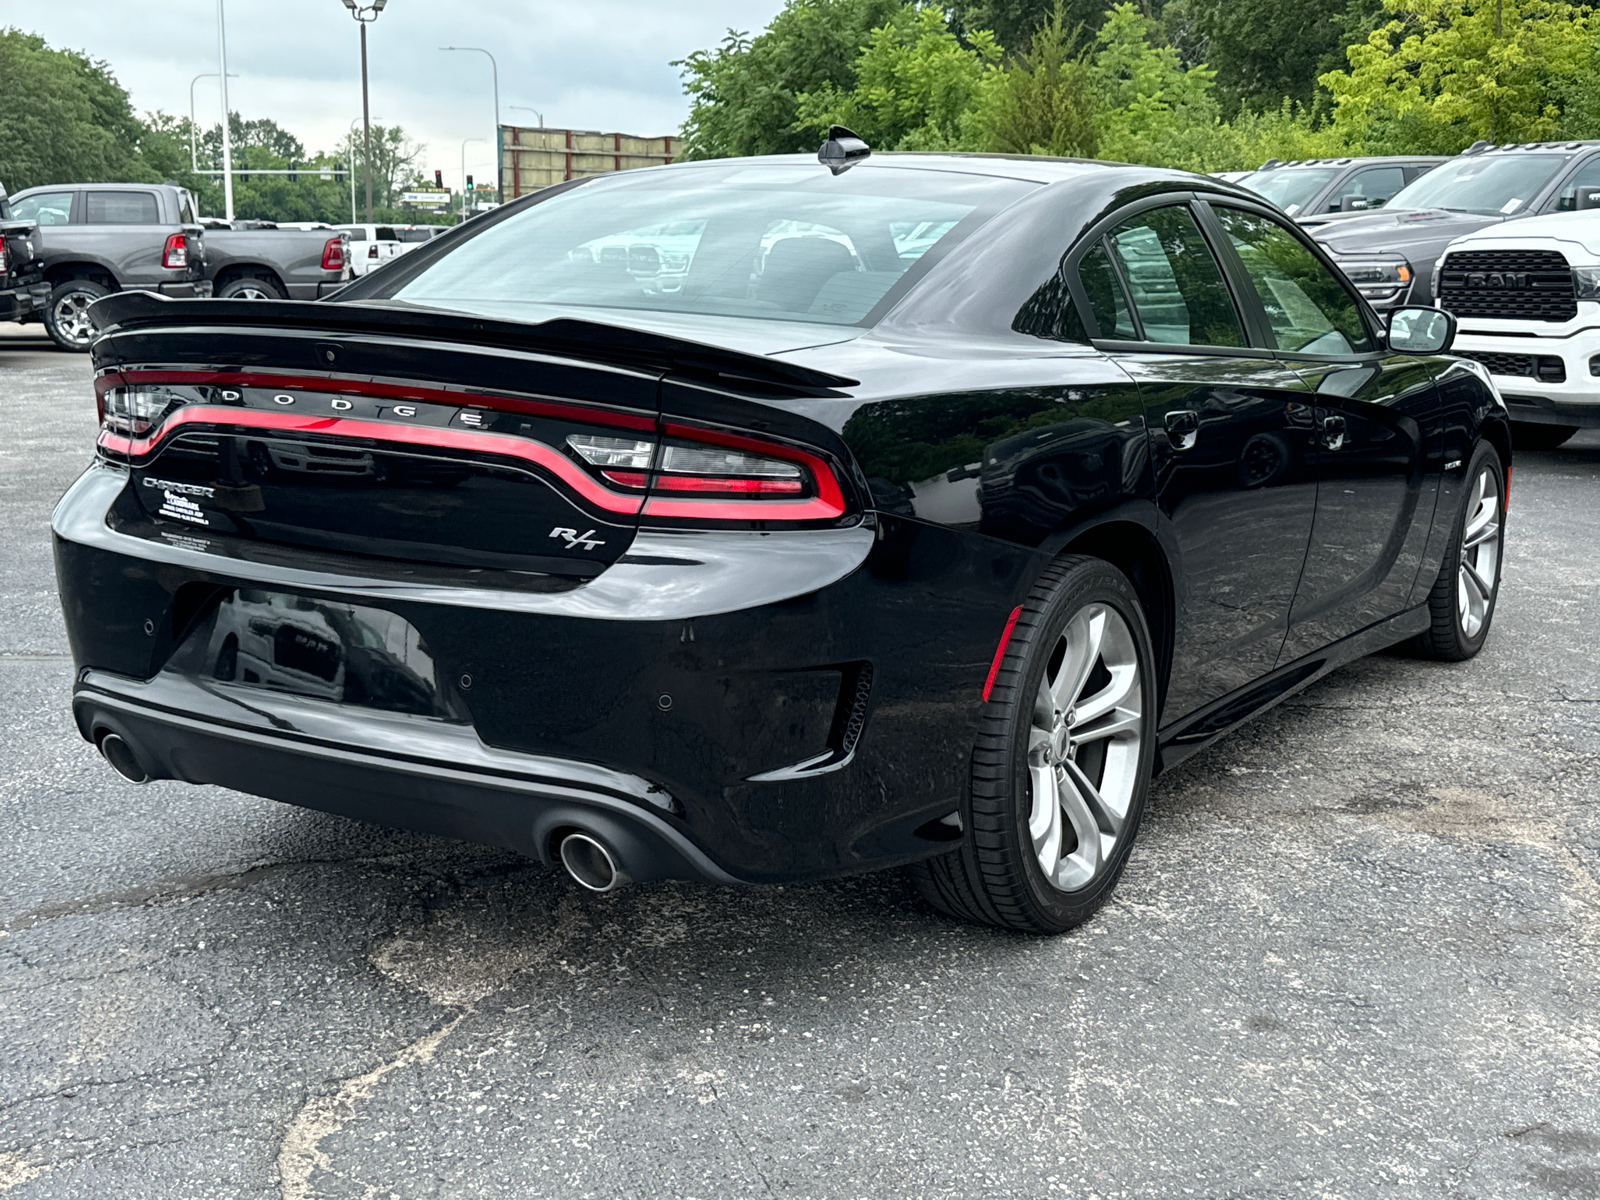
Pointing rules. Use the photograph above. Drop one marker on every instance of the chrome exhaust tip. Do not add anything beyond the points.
(123, 760)
(589, 862)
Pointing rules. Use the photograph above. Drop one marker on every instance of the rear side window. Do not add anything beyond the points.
(1107, 300)
(121, 208)
(1309, 309)
(44, 208)
(357, 235)
(385, 234)
(186, 209)
(1175, 283)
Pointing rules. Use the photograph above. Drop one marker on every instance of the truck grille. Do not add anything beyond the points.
(1526, 285)
(1501, 364)
(1548, 367)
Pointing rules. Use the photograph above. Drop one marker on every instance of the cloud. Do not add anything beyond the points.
(599, 64)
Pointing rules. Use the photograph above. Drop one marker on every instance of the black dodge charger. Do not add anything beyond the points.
(772, 519)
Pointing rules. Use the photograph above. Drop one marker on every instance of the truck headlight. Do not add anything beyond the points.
(1379, 279)
(1586, 282)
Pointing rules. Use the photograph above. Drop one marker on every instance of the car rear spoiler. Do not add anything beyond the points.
(592, 341)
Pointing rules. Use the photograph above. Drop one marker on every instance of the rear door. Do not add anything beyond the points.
(1229, 430)
(1371, 408)
(124, 228)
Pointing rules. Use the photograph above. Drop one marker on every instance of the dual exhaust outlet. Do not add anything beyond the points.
(586, 858)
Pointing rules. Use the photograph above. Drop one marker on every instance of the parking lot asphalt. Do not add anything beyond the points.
(1354, 955)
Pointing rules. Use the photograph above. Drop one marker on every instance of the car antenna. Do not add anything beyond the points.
(1477, 147)
(1270, 163)
(842, 150)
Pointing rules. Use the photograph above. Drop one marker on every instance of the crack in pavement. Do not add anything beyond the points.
(300, 1153)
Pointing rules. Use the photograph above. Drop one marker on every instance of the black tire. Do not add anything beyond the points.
(1448, 637)
(1526, 436)
(250, 287)
(996, 876)
(65, 313)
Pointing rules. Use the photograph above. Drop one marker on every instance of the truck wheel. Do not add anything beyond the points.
(1527, 436)
(66, 313)
(250, 288)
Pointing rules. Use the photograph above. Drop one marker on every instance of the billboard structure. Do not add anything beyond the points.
(532, 159)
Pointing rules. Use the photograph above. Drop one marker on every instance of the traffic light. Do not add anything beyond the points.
(438, 179)
(469, 183)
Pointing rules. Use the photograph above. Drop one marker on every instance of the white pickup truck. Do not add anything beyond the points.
(1527, 296)
(373, 245)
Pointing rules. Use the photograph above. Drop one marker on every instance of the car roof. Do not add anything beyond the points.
(1356, 161)
(1033, 168)
(1574, 225)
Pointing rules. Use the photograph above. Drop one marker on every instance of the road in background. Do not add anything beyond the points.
(1354, 954)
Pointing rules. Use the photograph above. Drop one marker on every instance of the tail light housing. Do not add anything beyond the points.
(5, 265)
(708, 475)
(372, 250)
(175, 254)
(333, 254)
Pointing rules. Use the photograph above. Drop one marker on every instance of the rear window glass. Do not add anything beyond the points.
(121, 208)
(416, 235)
(791, 242)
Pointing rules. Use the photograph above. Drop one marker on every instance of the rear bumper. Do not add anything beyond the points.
(188, 289)
(17, 302)
(388, 768)
(808, 701)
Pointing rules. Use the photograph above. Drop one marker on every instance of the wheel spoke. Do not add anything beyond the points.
(1481, 532)
(1479, 584)
(1044, 824)
(1083, 633)
(1119, 722)
(1106, 819)
(1081, 817)
(1124, 683)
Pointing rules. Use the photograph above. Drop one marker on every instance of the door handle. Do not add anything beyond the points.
(1183, 428)
(1333, 431)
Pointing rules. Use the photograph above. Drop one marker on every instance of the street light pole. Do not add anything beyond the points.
(364, 14)
(464, 144)
(499, 153)
(227, 140)
(194, 153)
(527, 108)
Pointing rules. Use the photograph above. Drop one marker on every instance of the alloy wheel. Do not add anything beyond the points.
(72, 317)
(1480, 553)
(250, 292)
(1084, 742)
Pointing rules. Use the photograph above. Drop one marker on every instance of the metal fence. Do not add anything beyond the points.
(537, 158)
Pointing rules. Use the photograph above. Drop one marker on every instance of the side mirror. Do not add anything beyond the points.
(1588, 198)
(1353, 204)
(1421, 330)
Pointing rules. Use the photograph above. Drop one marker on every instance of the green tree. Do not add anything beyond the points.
(1150, 108)
(1013, 23)
(1442, 73)
(1044, 103)
(1263, 51)
(64, 118)
(743, 96)
(917, 85)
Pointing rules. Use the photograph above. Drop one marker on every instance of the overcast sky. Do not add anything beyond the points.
(585, 64)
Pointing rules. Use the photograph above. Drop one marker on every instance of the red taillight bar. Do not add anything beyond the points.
(538, 453)
(333, 254)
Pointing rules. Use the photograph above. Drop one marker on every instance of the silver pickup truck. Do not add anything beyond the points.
(257, 260)
(99, 238)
